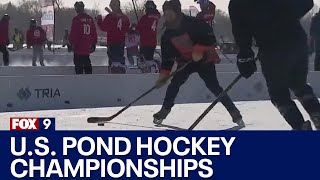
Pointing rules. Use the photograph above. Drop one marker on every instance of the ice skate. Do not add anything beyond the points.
(118, 68)
(316, 120)
(237, 118)
(160, 116)
(306, 126)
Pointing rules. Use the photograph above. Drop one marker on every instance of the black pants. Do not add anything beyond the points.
(5, 52)
(147, 52)
(286, 70)
(317, 57)
(82, 64)
(207, 73)
(116, 53)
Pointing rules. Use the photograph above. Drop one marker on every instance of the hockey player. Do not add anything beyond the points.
(315, 39)
(147, 27)
(188, 39)
(83, 39)
(116, 24)
(285, 63)
(36, 37)
(4, 38)
(132, 45)
(208, 12)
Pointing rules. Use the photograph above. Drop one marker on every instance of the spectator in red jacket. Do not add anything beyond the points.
(4, 38)
(36, 37)
(116, 24)
(147, 27)
(208, 12)
(83, 38)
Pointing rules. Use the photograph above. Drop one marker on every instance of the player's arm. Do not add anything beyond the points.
(74, 31)
(94, 34)
(44, 35)
(240, 27)
(29, 34)
(168, 54)
(104, 24)
(140, 24)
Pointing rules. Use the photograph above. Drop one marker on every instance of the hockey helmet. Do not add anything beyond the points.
(79, 6)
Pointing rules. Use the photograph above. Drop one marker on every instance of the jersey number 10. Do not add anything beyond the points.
(86, 29)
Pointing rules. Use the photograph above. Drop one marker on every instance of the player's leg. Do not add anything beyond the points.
(172, 91)
(5, 54)
(275, 67)
(41, 58)
(117, 59)
(87, 65)
(302, 90)
(148, 53)
(34, 55)
(208, 74)
(77, 64)
(317, 56)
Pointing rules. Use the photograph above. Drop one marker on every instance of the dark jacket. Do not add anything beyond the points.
(315, 27)
(176, 44)
(272, 23)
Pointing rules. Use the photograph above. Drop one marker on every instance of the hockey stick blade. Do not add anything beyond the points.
(215, 102)
(99, 119)
(170, 127)
(106, 119)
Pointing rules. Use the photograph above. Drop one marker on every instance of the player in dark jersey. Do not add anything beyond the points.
(284, 63)
(116, 24)
(83, 39)
(188, 39)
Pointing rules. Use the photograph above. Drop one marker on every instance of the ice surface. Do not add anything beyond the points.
(259, 115)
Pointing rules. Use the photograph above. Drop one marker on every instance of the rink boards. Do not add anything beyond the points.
(45, 92)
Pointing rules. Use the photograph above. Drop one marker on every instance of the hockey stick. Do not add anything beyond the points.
(225, 55)
(215, 102)
(106, 119)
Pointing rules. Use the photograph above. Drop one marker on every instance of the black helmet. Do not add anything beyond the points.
(5, 17)
(150, 5)
(33, 22)
(174, 5)
(79, 6)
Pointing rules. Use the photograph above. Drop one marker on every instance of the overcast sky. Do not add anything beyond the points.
(221, 4)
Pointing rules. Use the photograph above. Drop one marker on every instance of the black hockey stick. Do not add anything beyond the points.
(106, 119)
(225, 55)
(215, 102)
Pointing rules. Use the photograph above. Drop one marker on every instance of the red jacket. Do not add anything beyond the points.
(4, 32)
(147, 27)
(83, 34)
(208, 15)
(36, 36)
(116, 26)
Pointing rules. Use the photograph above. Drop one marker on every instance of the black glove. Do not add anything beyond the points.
(246, 63)
(8, 42)
(69, 47)
(93, 48)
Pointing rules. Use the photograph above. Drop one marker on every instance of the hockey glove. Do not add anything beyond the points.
(247, 67)
(246, 64)
(162, 80)
(93, 48)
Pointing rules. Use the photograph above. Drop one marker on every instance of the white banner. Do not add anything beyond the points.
(47, 15)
